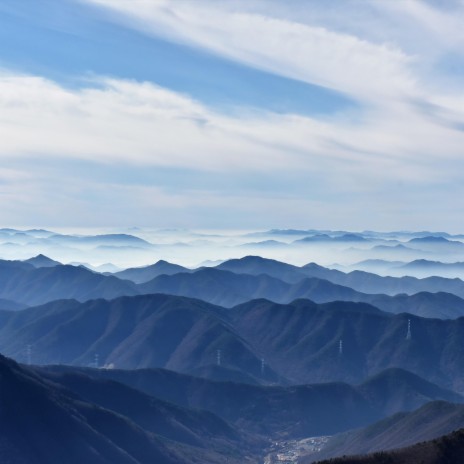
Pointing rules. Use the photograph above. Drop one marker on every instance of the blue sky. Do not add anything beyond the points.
(247, 114)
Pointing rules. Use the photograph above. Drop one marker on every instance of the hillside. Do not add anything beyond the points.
(297, 411)
(445, 450)
(44, 424)
(404, 429)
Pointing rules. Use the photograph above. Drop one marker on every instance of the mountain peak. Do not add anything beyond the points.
(42, 261)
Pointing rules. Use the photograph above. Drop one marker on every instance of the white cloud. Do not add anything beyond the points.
(305, 52)
(126, 121)
(405, 139)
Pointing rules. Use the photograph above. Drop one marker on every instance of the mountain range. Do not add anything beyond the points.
(24, 284)
(298, 342)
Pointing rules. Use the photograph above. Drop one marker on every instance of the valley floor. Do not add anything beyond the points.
(289, 452)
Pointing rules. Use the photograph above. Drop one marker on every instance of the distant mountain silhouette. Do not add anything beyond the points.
(217, 287)
(360, 281)
(345, 238)
(146, 273)
(433, 239)
(424, 268)
(432, 420)
(42, 261)
(425, 304)
(117, 240)
(229, 284)
(372, 283)
(256, 265)
(227, 288)
(24, 283)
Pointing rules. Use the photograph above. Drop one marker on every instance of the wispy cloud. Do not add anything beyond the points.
(402, 144)
(310, 53)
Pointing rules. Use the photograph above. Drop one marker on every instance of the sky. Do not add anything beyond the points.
(247, 114)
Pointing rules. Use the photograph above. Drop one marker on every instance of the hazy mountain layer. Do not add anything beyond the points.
(23, 284)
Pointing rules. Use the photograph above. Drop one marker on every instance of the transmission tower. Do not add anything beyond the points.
(340, 347)
(218, 357)
(263, 364)
(408, 335)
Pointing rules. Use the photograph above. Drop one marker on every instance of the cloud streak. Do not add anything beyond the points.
(403, 144)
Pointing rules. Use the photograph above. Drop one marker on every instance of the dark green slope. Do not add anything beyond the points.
(445, 450)
(404, 429)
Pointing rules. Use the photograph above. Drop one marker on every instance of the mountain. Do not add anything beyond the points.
(115, 240)
(448, 449)
(42, 261)
(372, 283)
(227, 288)
(193, 427)
(432, 420)
(218, 287)
(279, 412)
(129, 332)
(425, 304)
(424, 268)
(46, 424)
(314, 238)
(299, 342)
(229, 284)
(265, 244)
(24, 283)
(434, 240)
(360, 281)
(146, 273)
(344, 238)
(256, 265)
(394, 390)
(375, 265)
